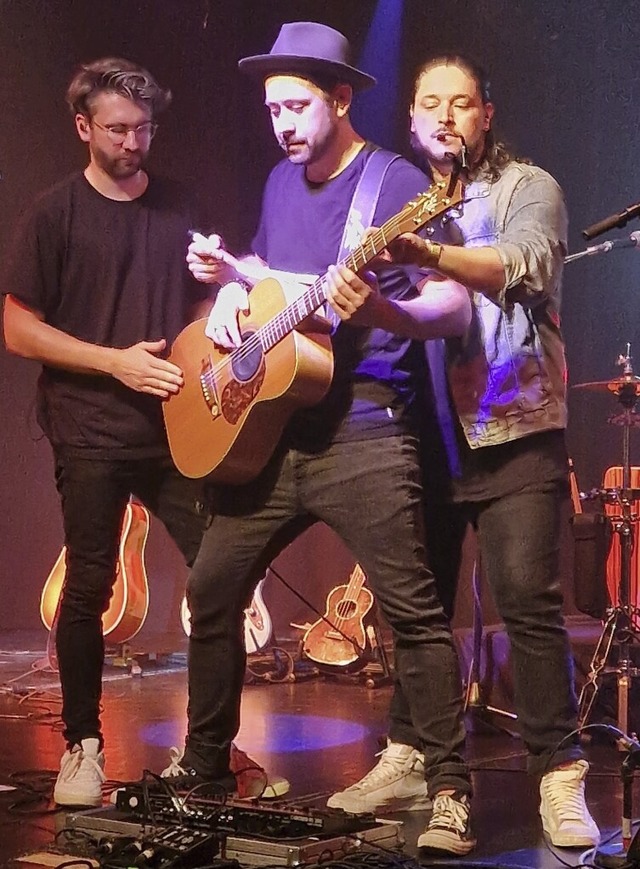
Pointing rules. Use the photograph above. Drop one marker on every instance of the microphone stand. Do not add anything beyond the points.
(595, 249)
(629, 858)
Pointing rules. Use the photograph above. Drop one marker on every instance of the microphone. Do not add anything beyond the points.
(611, 222)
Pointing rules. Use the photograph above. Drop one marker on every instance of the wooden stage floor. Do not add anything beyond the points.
(320, 733)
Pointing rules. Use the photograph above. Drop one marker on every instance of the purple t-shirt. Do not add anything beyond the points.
(376, 373)
(111, 273)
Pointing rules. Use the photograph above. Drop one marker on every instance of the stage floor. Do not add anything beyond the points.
(321, 733)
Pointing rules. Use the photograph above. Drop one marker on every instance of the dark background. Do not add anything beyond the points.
(565, 79)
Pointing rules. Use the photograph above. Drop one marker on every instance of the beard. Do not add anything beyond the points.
(123, 166)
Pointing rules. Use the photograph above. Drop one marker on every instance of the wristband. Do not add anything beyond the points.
(433, 252)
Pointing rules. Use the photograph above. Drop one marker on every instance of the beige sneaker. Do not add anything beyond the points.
(565, 817)
(449, 831)
(79, 782)
(395, 784)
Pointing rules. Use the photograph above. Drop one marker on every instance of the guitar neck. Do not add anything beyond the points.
(356, 581)
(414, 215)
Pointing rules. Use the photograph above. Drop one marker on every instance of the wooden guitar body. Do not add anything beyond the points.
(258, 626)
(130, 596)
(345, 647)
(228, 417)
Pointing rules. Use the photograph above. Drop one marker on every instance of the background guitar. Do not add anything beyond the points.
(227, 419)
(130, 600)
(258, 626)
(340, 638)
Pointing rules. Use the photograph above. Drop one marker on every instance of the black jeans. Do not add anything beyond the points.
(94, 495)
(370, 493)
(519, 543)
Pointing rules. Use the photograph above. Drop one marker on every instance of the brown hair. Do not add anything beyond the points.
(119, 76)
(497, 154)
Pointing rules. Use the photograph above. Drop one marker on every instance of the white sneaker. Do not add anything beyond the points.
(565, 817)
(79, 782)
(396, 783)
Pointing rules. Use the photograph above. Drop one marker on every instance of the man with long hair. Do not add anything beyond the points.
(506, 243)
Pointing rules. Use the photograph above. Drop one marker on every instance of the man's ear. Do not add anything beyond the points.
(83, 126)
(412, 126)
(342, 97)
(489, 111)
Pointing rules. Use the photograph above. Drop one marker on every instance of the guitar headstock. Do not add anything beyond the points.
(424, 207)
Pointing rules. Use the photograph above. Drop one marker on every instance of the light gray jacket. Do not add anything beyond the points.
(508, 374)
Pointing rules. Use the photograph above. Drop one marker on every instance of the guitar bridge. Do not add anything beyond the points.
(208, 386)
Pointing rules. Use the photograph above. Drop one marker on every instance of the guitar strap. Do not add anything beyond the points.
(363, 206)
(365, 197)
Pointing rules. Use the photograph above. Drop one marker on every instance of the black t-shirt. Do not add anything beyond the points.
(111, 273)
(300, 230)
(525, 464)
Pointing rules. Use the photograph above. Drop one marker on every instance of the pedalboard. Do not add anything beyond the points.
(185, 844)
(154, 803)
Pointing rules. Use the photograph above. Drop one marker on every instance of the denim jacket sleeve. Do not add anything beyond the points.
(532, 238)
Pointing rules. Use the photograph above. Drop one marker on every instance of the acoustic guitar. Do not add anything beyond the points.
(228, 417)
(258, 626)
(339, 639)
(130, 599)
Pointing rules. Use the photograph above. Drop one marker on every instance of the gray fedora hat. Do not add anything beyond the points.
(308, 47)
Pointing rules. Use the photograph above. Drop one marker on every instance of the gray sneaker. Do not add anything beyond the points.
(395, 784)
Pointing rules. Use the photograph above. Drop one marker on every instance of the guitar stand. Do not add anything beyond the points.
(275, 664)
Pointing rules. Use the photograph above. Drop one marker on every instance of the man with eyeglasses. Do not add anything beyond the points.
(96, 291)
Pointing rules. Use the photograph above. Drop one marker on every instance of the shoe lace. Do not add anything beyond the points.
(174, 768)
(449, 813)
(566, 796)
(382, 770)
(75, 762)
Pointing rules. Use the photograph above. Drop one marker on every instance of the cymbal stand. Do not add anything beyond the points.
(619, 626)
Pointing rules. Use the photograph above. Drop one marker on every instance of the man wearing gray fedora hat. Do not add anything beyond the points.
(352, 460)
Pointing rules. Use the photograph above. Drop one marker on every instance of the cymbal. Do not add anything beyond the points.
(617, 385)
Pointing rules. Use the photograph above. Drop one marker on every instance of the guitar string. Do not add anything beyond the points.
(358, 578)
(300, 304)
(283, 317)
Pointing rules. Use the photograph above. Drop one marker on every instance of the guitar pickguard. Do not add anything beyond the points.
(236, 396)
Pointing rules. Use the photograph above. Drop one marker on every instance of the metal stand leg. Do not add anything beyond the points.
(378, 671)
(619, 628)
(481, 714)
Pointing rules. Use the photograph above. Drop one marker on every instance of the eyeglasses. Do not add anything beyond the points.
(118, 133)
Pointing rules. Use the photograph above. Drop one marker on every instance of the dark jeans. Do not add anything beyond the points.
(94, 495)
(518, 539)
(370, 494)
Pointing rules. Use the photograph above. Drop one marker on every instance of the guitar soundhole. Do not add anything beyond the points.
(346, 609)
(247, 359)
(248, 376)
